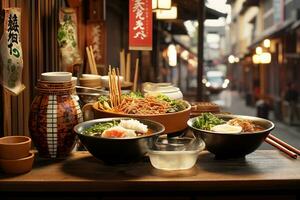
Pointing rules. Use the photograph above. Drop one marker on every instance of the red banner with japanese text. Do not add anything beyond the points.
(140, 24)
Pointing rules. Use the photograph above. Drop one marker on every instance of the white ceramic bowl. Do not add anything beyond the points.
(175, 153)
(56, 76)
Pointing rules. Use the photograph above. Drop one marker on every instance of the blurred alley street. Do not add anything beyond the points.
(233, 102)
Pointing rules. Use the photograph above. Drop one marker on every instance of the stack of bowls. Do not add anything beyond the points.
(90, 80)
(15, 155)
(162, 88)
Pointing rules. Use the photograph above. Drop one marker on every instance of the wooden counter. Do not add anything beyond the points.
(261, 173)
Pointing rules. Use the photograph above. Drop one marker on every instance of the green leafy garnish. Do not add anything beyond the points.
(175, 105)
(135, 95)
(99, 128)
(206, 121)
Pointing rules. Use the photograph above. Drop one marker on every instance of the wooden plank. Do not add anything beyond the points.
(263, 169)
(1, 88)
(26, 71)
(7, 113)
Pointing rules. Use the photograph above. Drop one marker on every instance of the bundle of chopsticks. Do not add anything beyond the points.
(126, 69)
(282, 146)
(91, 60)
(114, 86)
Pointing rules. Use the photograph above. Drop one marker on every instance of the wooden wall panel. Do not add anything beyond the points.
(40, 54)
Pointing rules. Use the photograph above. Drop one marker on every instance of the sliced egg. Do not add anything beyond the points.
(226, 128)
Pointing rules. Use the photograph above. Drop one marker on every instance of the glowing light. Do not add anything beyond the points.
(267, 43)
(192, 62)
(161, 4)
(184, 55)
(265, 58)
(256, 59)
(207, 84)
(167, 14)
(224, 85)
(236, 59)
(258, 50)
(172, 55)
(231, 59)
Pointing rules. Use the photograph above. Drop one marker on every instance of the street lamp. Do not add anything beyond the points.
(236, 59)
(263, 58)
(256, 59)
(231, 59)
(267, 43)
(258, 50)
(172, 55)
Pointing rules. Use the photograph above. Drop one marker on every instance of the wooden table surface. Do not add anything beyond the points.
(268, 170)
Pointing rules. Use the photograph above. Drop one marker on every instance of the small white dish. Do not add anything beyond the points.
(175, 153)
(56, 76)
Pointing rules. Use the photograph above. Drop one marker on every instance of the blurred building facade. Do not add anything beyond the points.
(273, 25)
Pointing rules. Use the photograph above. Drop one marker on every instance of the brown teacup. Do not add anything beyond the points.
(14, 147)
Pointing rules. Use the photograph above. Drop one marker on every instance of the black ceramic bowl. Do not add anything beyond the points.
(117, 150)
(228, 145)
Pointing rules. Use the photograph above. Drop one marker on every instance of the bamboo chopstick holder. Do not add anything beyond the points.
(289, 147)
(136, 75)
(281, 148)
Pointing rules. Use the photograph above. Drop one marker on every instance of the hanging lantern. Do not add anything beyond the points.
(167, 14)
(161, 5)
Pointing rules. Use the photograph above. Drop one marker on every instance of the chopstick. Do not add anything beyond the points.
(282, 143)
(122, 62)
(136, 75)
(114, 86)
(128, 61)
(281, 148)
(91, 60)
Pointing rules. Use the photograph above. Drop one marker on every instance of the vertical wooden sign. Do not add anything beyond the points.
(140, 24)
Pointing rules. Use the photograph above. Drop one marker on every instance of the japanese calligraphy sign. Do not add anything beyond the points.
(140, 25)
(11, 52)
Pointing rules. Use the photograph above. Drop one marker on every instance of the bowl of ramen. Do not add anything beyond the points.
(230, 136)
(173, 114)
(118, 140)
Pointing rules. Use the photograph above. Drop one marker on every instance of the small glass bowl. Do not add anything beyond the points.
(176, 153)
